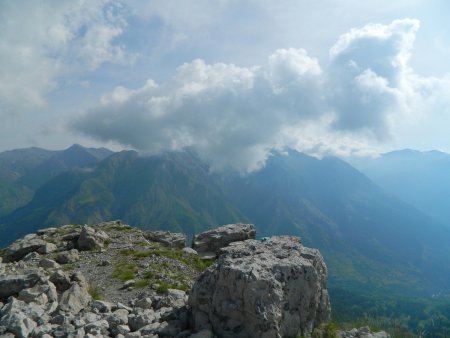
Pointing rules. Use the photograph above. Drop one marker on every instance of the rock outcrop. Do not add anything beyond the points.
(91, 238)
(209, 243)
(273, 288)
(48, 281)
(51, 283)
(22, 247)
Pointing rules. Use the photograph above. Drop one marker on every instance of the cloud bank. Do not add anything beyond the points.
(234, 116)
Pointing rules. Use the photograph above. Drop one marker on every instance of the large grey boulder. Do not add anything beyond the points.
(70, 256)
(139, 319)
(172, 298)
(18, 323)
(20, 248)
(75, 299)
(91, 238)
(48, 264)
(171, 239)
(47, 248)
(21, 318)
(275, 288)
(118, 317)
(13, 283)
(213, 240)
(40, 294)
(61, 280)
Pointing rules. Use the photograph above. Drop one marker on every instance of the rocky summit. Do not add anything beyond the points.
(113, 280)
(270, 288)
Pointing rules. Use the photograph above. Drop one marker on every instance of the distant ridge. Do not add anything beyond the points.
(421, 178)
(22, 171)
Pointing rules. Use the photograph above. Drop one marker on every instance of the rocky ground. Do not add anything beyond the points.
(115, 280)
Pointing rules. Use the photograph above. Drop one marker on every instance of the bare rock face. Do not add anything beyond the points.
(275, 288)
(210, 242)
(70, 256)
(91, 238)
(13, 283)
(75, 299)
(171, 239)
(22, 247)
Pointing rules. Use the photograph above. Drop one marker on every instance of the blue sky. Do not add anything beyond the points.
(231, 79)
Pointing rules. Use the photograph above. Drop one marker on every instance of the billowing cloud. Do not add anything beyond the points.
(41, 41)
(233, 116)
(369, 75)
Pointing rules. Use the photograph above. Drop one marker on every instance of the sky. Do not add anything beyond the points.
(231, 79)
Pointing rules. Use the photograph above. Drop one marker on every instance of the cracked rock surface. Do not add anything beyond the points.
(262, 289)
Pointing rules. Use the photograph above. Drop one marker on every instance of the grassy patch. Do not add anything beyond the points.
(142, 283)
(202, 264)
(124, 271)
(328, 330)
(95, 293)
(170, 275)
(68, 230)
(146, 280)
(192, 261)
(68, 267)
(163, 287)
(148, 275)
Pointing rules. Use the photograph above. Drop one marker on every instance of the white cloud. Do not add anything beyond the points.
(43, 40)
(369, 76)
(233, 116)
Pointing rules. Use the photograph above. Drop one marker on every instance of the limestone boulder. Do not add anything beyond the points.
(20, 248)
(91, 238)
(275, 288)
(75, 299)
(210, 242)
(48, 263)
(47, 248)
(172, 298)
(170, 239)
(21, 318)
(12, 284)
(18, 323)
(61, 280)
(40, 294)
(67, 257)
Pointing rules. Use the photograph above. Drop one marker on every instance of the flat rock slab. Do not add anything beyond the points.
(170, 239)
(215, 239)
(20, 248)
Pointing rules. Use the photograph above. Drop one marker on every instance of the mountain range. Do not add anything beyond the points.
(371, 239)
(421, 178)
